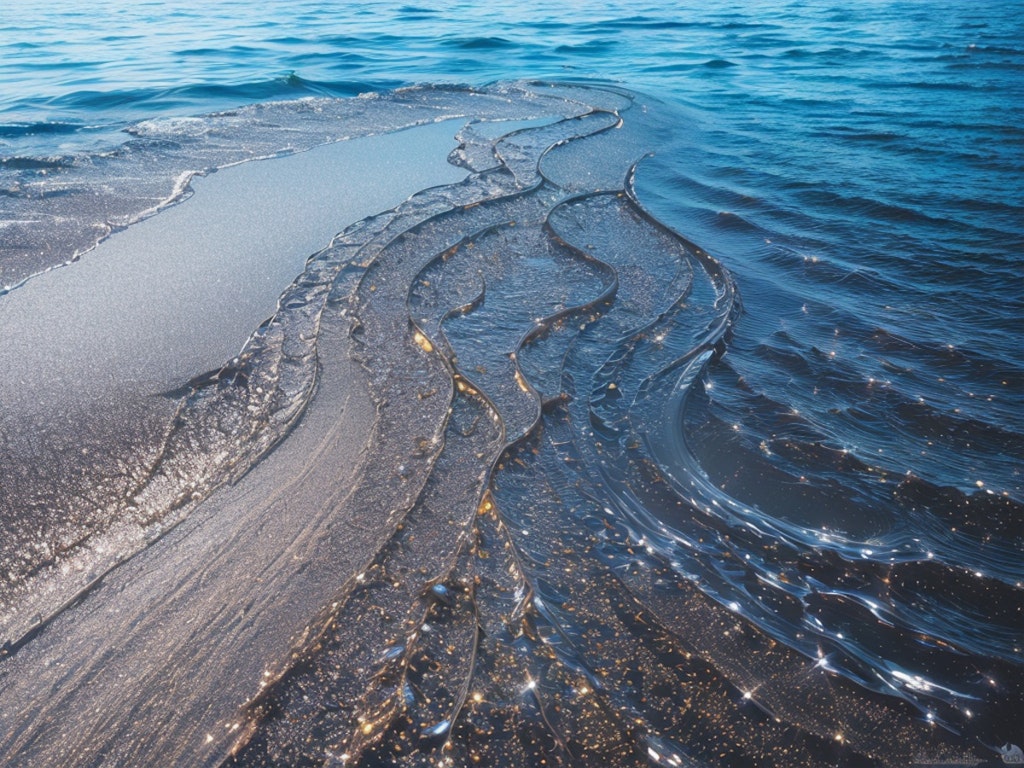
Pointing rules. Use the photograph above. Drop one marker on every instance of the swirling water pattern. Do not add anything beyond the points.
(657, 524)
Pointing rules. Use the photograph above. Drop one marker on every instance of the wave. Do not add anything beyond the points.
(480, 43)
(549, 549)
(287, 85)
(16, 130)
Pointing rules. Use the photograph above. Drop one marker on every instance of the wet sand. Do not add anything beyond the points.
(153, 663)
(178, 636)
(179, 293)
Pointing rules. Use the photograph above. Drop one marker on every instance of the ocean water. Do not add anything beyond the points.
(727, 312)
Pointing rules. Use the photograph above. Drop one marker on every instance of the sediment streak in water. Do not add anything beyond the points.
(461, 549)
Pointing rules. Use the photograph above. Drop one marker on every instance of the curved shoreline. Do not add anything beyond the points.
(426, 521)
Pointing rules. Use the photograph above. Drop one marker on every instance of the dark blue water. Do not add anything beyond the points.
(857, 170)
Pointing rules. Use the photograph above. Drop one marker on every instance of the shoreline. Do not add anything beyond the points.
(422, 515)
(96, 349)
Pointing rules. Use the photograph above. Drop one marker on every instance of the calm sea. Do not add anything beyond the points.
(858, 167)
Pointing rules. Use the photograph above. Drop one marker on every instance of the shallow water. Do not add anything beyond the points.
(625, 501)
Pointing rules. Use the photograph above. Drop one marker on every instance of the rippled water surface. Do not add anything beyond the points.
(685, 429)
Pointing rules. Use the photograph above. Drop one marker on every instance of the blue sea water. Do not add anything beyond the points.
(858, 168)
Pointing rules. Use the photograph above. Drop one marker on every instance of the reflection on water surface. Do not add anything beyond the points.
(548, 549)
